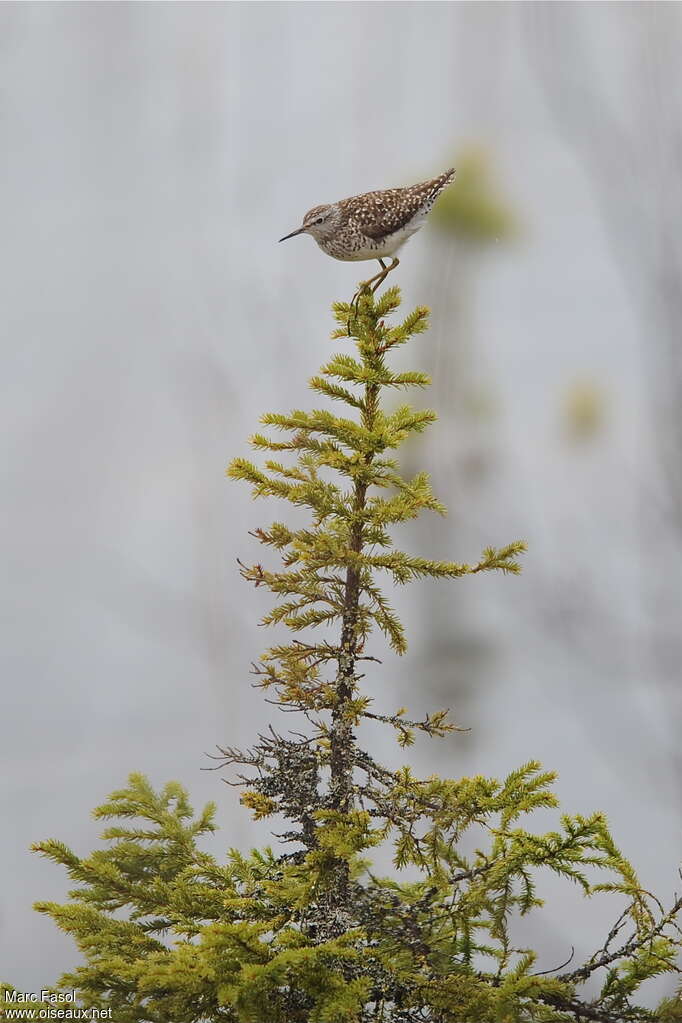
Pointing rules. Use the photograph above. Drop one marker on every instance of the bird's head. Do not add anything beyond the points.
(321, 222)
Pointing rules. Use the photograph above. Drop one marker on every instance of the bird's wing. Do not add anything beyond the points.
(381, 213)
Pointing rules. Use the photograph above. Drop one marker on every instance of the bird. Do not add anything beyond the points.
(374, 225)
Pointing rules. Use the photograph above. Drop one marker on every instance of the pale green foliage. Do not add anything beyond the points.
(205, 941)
(168, 934)
(355, 450)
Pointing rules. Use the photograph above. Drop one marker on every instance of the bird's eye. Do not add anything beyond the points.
(320, 220)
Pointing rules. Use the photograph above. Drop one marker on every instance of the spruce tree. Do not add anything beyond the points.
(307, 932)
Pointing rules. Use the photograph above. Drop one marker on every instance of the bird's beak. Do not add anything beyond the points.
(298, 230)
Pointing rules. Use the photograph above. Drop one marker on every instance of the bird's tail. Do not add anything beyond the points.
(442, 181)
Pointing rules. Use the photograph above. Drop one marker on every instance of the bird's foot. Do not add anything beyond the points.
(363, 286)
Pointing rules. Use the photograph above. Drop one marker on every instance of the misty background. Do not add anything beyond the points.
(151, 156)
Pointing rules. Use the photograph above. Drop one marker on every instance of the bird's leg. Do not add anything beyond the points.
(363, 285)
(354, 305)
(380, 277)
(366, 284)
(373, 284)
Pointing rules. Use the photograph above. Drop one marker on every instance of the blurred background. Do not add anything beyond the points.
(151, 156)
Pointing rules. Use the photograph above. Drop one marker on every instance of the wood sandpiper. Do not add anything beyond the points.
(374, 225)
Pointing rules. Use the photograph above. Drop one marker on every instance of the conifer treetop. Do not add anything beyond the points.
(347, 478)
(308, 932)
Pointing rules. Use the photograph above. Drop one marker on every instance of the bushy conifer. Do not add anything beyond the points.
(307, 932)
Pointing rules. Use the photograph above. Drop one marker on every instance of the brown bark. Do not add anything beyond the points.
(342, 737)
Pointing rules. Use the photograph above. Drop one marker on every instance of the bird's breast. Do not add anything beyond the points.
(350, 249)
(351, 245)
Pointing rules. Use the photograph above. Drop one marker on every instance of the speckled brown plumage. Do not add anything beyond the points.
(378, 214)
(374, 224)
